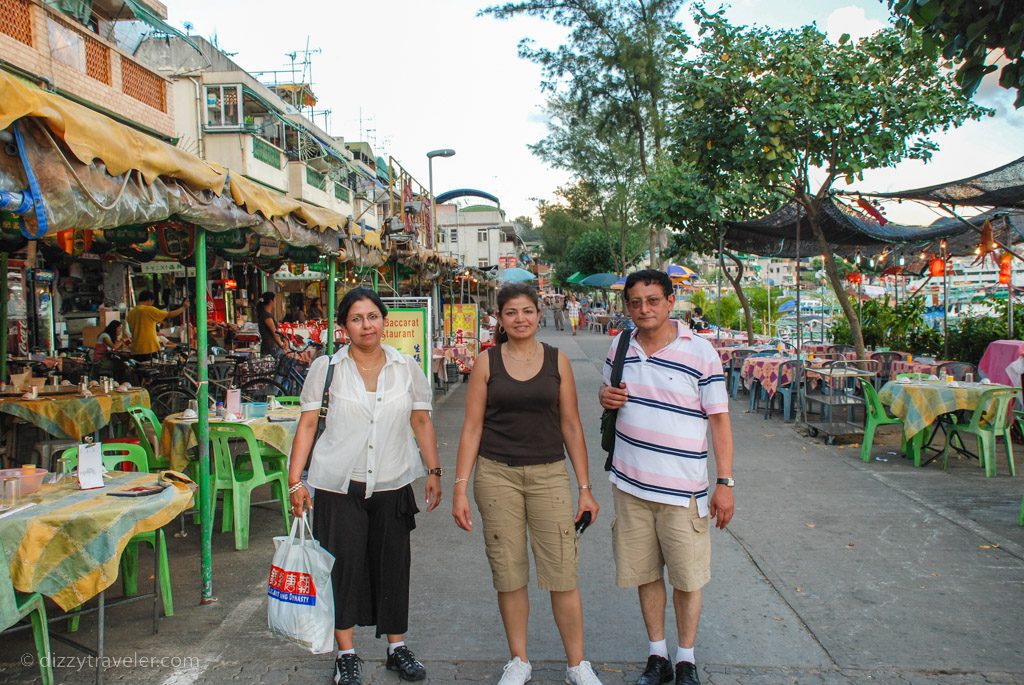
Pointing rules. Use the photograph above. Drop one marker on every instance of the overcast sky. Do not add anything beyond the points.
(412, 76)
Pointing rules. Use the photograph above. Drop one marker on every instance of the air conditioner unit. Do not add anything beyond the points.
(319, 164)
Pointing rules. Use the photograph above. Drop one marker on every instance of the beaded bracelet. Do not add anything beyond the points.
(295, 488)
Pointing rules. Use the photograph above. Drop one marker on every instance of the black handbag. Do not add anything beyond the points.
(610, 415)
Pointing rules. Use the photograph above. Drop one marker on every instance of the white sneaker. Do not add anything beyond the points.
(516, 672)
(581, 675)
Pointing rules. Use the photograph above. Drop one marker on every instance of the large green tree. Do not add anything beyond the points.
(972, 34)
(799, 113)
(606, 86)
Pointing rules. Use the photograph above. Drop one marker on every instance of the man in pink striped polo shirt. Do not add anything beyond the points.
(672, 388)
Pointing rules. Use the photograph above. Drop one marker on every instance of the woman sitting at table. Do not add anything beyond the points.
(362, 468)
(111, 340)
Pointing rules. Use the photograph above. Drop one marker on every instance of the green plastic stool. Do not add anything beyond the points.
(288, 400)
(143, 418)
(236, 481)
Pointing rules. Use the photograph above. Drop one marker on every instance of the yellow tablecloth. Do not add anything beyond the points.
(921, 403)
(68, 545)
(71, 416)
(178, 438)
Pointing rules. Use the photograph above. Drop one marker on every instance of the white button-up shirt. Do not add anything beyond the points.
(383, 434)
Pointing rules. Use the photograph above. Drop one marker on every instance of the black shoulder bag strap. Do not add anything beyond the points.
(611, 414)
(321, 423)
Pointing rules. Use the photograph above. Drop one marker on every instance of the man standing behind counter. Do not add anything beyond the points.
(143, 320)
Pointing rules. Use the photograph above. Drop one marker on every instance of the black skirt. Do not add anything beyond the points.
(369, 539)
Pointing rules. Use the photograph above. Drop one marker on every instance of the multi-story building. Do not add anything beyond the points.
(226, 115)
(85, 52)
(477, 235)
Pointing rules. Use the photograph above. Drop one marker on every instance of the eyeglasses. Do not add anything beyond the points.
(651, 302)
(371, 318)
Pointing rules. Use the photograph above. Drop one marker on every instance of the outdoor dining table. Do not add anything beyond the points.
(928, 366)
(69, 416)
(67, 543)
(768, 372)
(920, 404)
(178, 438)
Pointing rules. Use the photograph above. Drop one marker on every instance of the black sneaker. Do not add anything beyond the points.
(658, 671)
(406, 663)
(347, 670)
(686, 674)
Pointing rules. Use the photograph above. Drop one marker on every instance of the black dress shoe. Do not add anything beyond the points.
(406, 663)
(686, 674)
(347, 670)
(658, 671)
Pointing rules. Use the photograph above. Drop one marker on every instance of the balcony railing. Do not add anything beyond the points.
(316, 179)
(16, 20)
(266, 153)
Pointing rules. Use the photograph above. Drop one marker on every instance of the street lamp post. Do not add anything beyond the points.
(444, 152)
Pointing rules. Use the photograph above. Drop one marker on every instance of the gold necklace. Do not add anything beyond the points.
(529, 357)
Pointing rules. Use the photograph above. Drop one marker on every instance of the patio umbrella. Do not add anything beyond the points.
(515, 275)
(602, 280)
(680, 273)
(619, 284)
(788, 306)
(575, 278)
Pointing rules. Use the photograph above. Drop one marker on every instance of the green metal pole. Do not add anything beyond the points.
(376, 281)
(203, 400)
(3, 317)
(332, 275)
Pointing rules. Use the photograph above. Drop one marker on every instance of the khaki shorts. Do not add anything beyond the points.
(514, 499)
(647, 536)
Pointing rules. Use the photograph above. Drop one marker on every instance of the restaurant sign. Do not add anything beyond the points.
(126, 235)
(405, 329)
(173, 268)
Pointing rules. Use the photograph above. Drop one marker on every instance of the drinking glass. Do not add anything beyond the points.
(193, 407)
(969, 377)
(10, 490)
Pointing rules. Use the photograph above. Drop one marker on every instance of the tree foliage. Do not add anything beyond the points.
(606, 96)
(971, 34)
(794, 113)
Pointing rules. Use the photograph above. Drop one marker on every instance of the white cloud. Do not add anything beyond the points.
(851, 20)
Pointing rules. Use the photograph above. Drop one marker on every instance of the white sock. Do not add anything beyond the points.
(392, 646)
(659, 648)
(345, 651)
(685, 654)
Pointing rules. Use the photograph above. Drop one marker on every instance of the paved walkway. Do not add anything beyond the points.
(833, 571)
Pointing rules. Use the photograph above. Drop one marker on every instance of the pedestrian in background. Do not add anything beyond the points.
(521, 417)
(572, 310)
(362, 468)
(558, 312)
(672, 388)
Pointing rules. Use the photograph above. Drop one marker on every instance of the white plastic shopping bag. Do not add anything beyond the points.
(300, 597)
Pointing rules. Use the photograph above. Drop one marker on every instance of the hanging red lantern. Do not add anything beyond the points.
(855, 277)
(937, 267)
(1004, 277)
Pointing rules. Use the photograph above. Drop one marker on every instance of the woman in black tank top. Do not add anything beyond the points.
(521, 419)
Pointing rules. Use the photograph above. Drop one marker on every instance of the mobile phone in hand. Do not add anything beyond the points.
(583, 523)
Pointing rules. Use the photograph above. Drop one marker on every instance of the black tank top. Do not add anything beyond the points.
(522, 424)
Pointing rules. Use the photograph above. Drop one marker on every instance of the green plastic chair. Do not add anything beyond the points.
(143, 418)
(874, 416)
(114, 455)
(997, 402)
(15, 606)
(237, 477)
(288, 400)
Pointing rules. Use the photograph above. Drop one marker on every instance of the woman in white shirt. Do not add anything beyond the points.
(362, 468)
(572, 309)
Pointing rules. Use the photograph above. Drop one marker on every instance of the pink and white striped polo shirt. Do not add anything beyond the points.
(661, 444)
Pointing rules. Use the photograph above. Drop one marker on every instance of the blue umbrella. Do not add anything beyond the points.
(602, 280)
(788, 306)
(515, 275)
